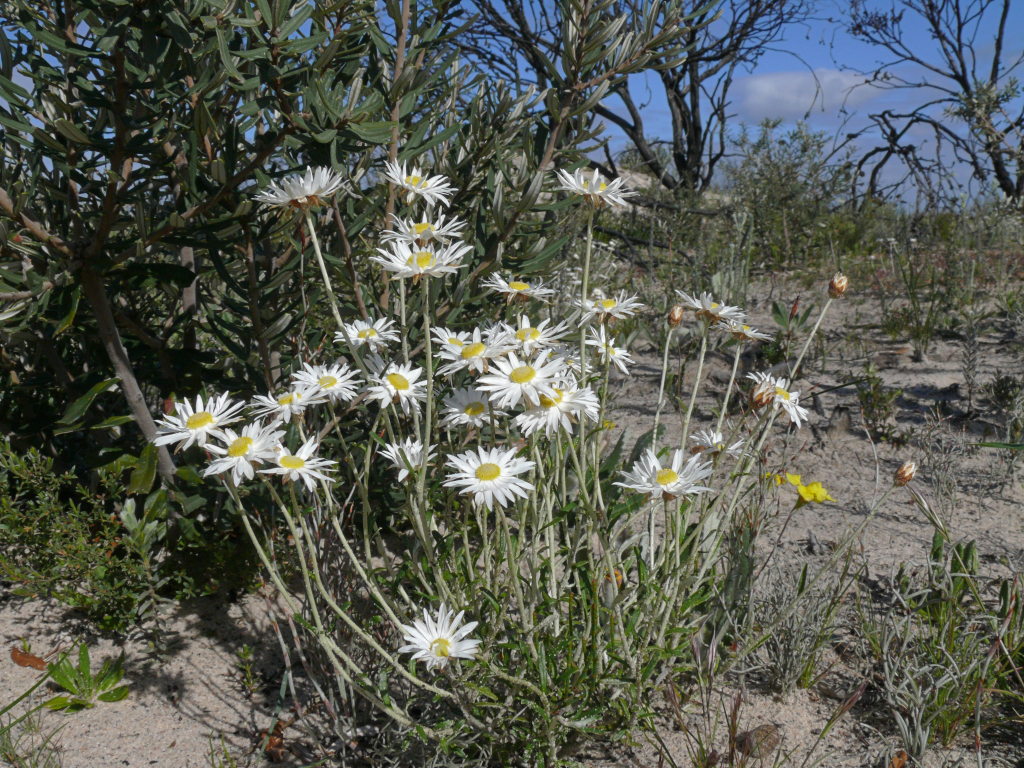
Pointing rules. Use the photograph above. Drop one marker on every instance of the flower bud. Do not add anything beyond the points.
(905, 474)
(675, 316)
(763, 394)
(838, 284)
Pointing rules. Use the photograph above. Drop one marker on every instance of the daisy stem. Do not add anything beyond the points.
(583, 336)
(814, 330)
(598, 497)
(323, 268)
(661, 388)
(728, 390)
(405, 331)
(429, 410)
(696, 385)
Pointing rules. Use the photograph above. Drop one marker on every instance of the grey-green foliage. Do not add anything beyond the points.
(84, 688)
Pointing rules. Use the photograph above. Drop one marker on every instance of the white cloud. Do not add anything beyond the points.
(790, 95)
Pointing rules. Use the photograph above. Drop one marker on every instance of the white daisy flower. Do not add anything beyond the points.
(711, 442)
(375, 334)
(768, 389)
(648, 476)
(709, 310)
(593, 188)
(446, 336)
(522, 379)
(423, 232)
(433, 189)
(467, 408)
(491, 475)
(563, 410)
(438, 641)
(298, 191)
(570, 354)
(401, 383)
(241, 452)
(290, 403)
(337, 382)
(742, 332)
(605, 308)
(415, 261)
(517, 289)
(531, 338)
(408, 453)
(609, 353)
(194, 425)
(301, 465)
(475, 352)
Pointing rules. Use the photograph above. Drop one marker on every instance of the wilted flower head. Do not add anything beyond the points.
(837, 286)
(709, 310)
(303, 192)
(433, 189)
(906, 473)
(593, 188)
(405, 454)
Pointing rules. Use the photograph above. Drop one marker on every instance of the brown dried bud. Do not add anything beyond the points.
(905, 474)
(675, 316)
(838, 284)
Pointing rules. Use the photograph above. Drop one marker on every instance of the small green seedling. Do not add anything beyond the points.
(84, 689)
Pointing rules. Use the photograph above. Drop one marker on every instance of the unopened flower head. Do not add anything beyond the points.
(290, 403)
(677, 479)
(906, 473)
(410, 260)
(437, 642)
(608, 350)
(399, 383)
(241, 452)
(491, 475)
(675, 316)
(531, 338)
(303, 192)
(518, 288)
(301, 465)
(707, 309)
(522, 379)
(191, 425)
(337, 382)
(742, 332)
(712, 443)
(405, 454)
(593, 188)
(838, 285)
(475, 353)
(605, 308)
(375, 334)
(424, 232)
(568, 406)
(417, 184)
(467, 407)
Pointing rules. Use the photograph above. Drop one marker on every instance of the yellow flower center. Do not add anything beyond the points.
(746, 327)
(423, 259)
(516, 285)
(667, 476)
(780, 392)
(714, 305)
(607, 304)
(473, 350)
(367, 333)
(419, 229)
(442, 647)
(199, 420)
(292, 462)
(414, 181)
(524, 374)
(475, 409)
(327, 382)
(551, 402)
(455, 341)
(527, 334)
(487, 472)
(398, 381)
(239, 447)
(602, 188)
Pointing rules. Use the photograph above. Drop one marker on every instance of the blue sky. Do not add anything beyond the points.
(783, 84)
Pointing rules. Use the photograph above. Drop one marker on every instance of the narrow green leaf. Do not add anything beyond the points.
(78, 408)
(143, 475)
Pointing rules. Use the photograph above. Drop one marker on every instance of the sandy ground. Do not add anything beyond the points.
(176, 708)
